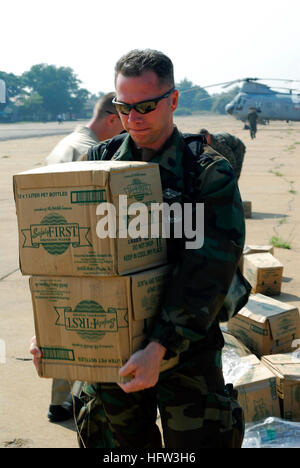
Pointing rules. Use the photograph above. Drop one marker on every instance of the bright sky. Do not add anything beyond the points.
(209, 41)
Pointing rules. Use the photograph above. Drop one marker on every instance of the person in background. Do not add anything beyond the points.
(252, 119)
(104, 124)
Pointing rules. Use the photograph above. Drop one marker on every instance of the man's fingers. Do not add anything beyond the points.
(135, 385)
(35, 351)
(127, 369)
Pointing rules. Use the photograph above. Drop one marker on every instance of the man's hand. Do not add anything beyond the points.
(144, 367)
(35, 351)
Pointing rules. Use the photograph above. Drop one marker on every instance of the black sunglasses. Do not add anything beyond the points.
(142, 107)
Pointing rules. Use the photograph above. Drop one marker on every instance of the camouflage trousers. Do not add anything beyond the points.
(196, 411)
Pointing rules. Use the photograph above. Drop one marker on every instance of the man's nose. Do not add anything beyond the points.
(134, 116)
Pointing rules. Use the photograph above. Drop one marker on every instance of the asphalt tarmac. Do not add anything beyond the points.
(15, 131)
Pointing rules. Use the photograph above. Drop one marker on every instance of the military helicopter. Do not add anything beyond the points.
(268, 103)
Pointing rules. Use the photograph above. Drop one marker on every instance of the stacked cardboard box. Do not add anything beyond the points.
(247, 205)
(264, 273)
(59, 225)
(286, 368)
(252, 249)
(93, 298)
(266, 325)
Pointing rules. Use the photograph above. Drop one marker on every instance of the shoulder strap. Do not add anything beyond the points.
(105, 151)
(194, 147)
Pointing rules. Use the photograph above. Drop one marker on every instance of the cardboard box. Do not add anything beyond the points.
(257, 390)
(264, 273)
(87, 328)
(266, 325)
(252, 249)
(255, 383)
(286, 368)
(59, 225)
(247, 209)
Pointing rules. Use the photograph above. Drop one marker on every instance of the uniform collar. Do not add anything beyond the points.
(169, 156)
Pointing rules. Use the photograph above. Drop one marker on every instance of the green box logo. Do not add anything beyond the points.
(138, 190)
(55, 235)
(89, 320)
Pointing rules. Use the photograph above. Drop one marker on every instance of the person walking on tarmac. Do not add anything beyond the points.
(252, 119)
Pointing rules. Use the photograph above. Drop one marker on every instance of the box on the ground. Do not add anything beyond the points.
(257, 390)
(264, 273)
(252, 249)
(247, 208)
(266, 325)
(87, 328)
(61, 212)
(255, 383)
(286, 368)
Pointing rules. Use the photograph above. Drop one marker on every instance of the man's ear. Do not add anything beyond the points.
(111, 118)
(174, 100)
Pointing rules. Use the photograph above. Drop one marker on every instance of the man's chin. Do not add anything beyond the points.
(141, 137)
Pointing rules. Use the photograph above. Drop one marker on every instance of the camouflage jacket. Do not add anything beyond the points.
(200, 278)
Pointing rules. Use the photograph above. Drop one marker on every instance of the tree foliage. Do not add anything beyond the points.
(44, 91)
(220, 100)
(14, 84)
(58, 87)
(192, 97)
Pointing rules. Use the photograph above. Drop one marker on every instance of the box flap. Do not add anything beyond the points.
(255, 371)
(286, 365)
(71, 174)
(251, 249)
(263, 260)
(260, 308)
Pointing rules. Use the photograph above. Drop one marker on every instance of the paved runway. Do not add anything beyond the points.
(14, 131)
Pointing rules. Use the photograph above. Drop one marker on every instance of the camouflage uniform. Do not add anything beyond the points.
(232, 148)
(196, 410)
(252, 119)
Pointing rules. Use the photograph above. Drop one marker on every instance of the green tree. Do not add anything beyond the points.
(31, 106)
(193, 97)
(220, 100)
(58, 87)
(14, 84)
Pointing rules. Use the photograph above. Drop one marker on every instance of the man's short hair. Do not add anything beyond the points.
(203, 131)
(136, 62)
(104, 105)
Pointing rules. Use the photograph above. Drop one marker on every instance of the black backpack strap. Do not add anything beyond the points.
(106, 150)
(194, 147)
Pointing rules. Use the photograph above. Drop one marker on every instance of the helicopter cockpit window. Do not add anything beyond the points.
(240, 103)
